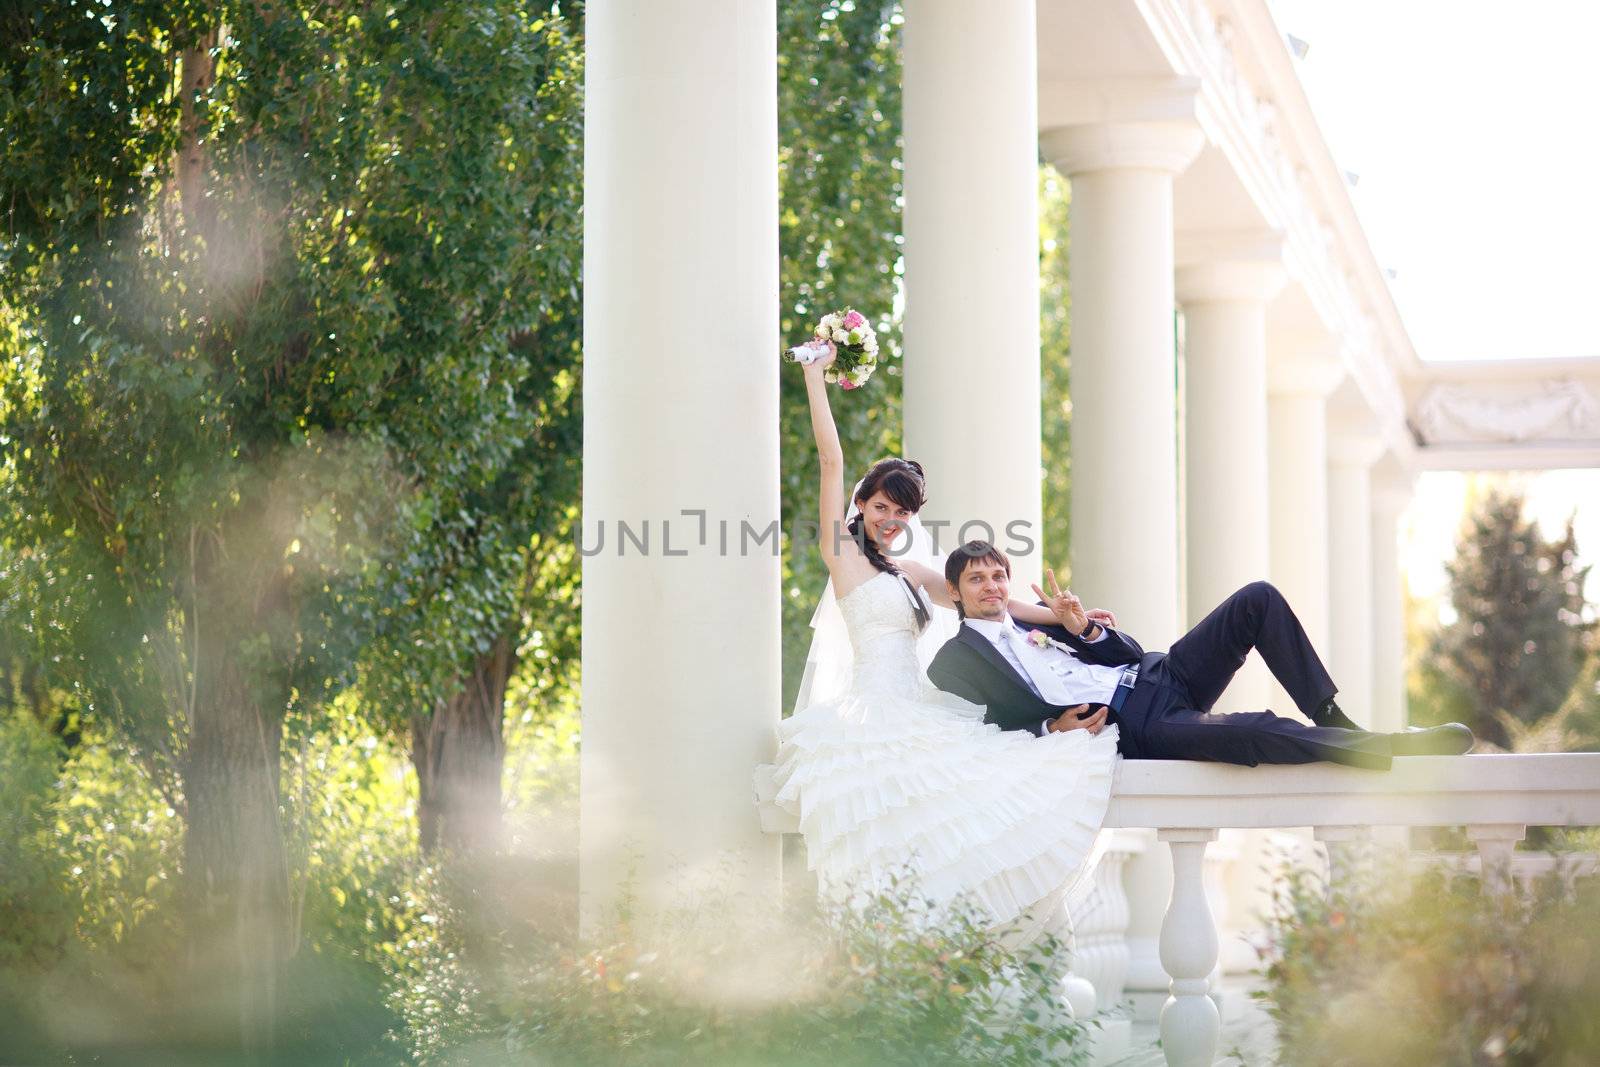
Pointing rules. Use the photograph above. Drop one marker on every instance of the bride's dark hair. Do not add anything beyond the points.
(902, 481)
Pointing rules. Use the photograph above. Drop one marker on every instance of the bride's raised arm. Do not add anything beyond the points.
(830, 464)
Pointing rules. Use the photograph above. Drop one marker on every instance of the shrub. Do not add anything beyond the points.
(87, 849)
(1392, 969)
(92, 953)
(874, 986)
(38, 915)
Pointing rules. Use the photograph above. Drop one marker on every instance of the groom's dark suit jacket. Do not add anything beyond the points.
(1168, 714)
(973, 669)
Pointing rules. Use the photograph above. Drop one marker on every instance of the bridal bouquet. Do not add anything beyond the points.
(852, 338)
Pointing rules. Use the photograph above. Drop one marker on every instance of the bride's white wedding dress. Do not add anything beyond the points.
(896, 774)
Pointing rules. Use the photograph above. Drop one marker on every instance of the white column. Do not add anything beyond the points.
(1121, 150)
(972, 273)
(1350, 615)
(1298, 384)
(679, 216)
(1391, 494)
(1225, 281)
(1121, 144)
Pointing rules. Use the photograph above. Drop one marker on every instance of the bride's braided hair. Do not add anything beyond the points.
(902, 481)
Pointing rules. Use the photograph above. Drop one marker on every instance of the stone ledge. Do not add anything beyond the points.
(1504, 790)
(1542, 789)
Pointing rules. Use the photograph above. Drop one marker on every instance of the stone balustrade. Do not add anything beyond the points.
(1496, 797)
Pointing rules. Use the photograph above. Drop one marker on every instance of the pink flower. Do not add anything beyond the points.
(1038, 638)
(854, 320)
(846, 383)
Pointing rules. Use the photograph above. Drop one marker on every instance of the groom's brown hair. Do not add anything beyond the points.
(972, 552)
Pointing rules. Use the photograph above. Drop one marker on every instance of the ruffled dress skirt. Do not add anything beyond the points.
(895, 780)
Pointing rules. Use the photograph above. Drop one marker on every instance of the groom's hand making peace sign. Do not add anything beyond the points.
(1070, 610)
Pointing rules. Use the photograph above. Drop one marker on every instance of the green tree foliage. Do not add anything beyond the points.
(1055, 346)
(1519, 640)
(497, 589)
(33, 876)
(265, 277)
(28, 687)
(1576, 723)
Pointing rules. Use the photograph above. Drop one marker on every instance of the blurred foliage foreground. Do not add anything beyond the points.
(1392, 967)
(399, 961)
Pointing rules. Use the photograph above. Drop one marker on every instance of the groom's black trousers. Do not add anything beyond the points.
(1168, 714)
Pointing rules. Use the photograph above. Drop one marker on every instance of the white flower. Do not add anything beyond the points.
(830, 376)
(841, 335)
(831, 321)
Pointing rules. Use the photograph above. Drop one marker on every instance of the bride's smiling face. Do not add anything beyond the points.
(885, 520)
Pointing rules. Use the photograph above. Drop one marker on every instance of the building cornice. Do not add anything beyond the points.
(1263, 124)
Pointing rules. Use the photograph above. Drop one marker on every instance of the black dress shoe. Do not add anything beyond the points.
(1451, 739)
(1330, 714)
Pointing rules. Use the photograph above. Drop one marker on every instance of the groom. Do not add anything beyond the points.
(1084, 673)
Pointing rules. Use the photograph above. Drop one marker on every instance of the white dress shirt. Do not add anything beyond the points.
(1054, 672)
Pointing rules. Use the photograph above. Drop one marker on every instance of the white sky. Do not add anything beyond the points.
(1475, 129)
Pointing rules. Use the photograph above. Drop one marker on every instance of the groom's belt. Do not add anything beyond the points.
(1125, 682)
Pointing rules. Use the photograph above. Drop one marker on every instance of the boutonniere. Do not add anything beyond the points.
(1038, 639)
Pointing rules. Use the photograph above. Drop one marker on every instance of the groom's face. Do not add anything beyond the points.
(984, 590)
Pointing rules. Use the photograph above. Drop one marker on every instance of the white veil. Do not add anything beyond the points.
(828, 663)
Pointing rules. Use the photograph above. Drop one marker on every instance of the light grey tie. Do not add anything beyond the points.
(1008, 634)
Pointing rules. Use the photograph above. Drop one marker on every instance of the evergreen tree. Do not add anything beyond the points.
(1518, 643)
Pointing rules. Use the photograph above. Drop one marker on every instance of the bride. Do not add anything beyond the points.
(888, 774)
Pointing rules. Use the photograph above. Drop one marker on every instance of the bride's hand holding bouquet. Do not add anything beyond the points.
(851, 343)
(815, 356)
